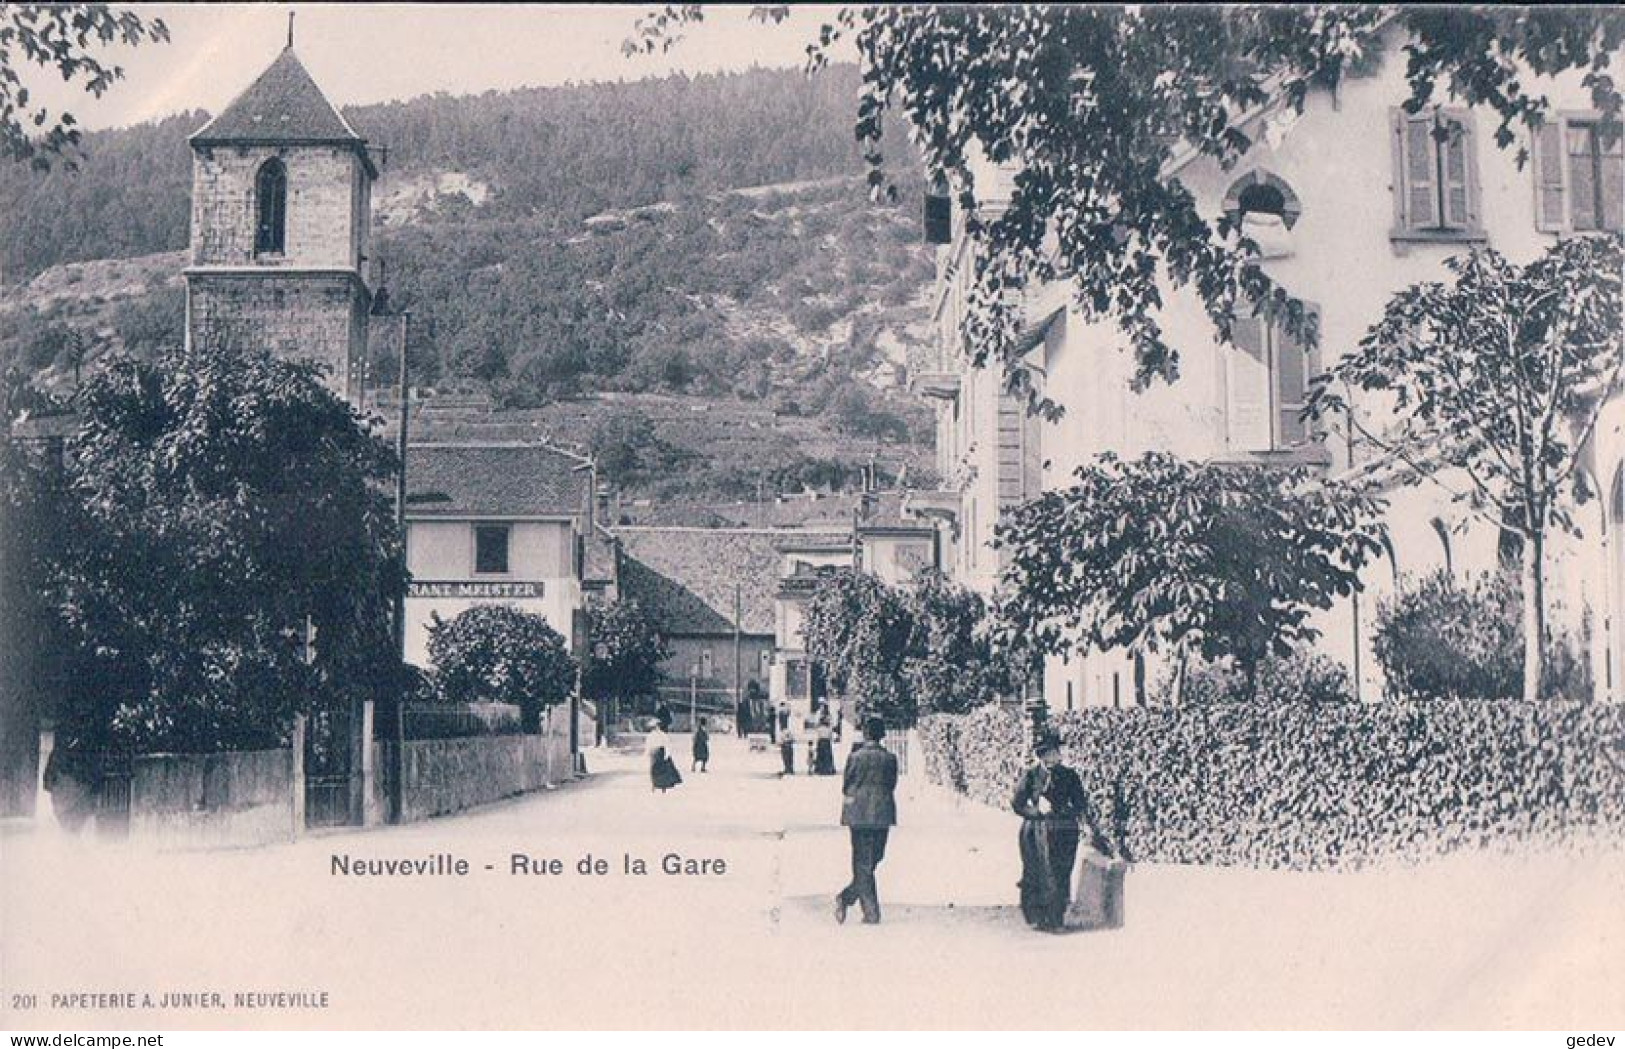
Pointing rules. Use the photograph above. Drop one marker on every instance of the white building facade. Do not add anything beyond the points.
(494, 524)
(1350, 202)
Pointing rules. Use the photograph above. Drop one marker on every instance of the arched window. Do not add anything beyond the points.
(271, 208)
(1263, 198)
(1264, 208)
(1261, 193)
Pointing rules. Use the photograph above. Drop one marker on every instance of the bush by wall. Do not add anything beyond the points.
(1444, 638)
(1304, 676)
(1312, 787)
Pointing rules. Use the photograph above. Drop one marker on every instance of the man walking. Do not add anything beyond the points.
(868, 810)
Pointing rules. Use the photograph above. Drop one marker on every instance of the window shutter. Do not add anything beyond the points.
(1549, 189)
(1420, 173)
(1294, 365)
(1582, 184)
(1247, 410)
(1456, 152)
(1611, 162)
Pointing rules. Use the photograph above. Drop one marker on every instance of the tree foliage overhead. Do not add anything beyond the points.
(1225, 561)
(219, 500)
(1090, 103)
(62, 39)
(1496, 380)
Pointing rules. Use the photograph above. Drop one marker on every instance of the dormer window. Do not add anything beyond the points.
(271, 208)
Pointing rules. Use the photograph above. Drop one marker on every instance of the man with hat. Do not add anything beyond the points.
(1051, 802)
(868, 811)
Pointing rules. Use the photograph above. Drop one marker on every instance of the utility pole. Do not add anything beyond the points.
(693, 694)
(397, 781)
(737, 605)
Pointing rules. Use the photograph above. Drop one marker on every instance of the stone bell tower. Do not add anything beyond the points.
(281, 210)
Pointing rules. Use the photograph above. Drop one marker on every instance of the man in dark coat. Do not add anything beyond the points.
(869, 811)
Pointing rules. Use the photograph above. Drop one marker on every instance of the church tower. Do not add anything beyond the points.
(281, 214)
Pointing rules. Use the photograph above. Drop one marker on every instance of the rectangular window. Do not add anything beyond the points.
(1266, 376)
(490, 549)
(1436, 192)
(1579, 169)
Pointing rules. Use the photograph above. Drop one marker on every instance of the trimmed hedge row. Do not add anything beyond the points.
(1314, 787)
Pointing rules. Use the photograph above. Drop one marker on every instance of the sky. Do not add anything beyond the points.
(363, 53)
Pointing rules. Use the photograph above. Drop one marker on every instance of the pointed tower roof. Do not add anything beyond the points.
(284, 106)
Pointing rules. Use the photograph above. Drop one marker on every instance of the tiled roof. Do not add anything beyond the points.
(283, 105)
(687, 577)
(494, 480)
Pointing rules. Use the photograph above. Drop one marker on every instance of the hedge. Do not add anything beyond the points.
(1314, 786)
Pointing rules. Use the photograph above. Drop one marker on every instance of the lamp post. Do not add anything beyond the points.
(606, 709)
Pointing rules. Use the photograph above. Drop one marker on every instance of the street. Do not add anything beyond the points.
(1538, 942)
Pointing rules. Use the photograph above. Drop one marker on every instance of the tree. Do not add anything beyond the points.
(220, 500)
(952, 666)
(860, 630)
(1159, 553)
(37, 656)
(1496, 379)
(1090, 103)
(498, 654)
(63, 38)
(627, 650)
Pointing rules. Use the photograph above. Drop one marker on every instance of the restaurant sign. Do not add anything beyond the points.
(474, 590)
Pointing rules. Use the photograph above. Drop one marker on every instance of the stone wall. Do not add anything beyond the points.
(212, 800)
(318, 317)
(449, 775)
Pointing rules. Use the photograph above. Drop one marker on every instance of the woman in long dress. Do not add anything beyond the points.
(1051, 801)
(824, 750)
(663, 774)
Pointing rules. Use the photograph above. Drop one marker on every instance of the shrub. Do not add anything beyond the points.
(1304, 676)
(1315, 786)
(1440, 639)
(498, 654)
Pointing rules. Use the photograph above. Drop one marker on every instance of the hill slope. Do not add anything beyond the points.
(690, 237)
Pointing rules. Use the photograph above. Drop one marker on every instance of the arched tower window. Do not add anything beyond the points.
(271, 208)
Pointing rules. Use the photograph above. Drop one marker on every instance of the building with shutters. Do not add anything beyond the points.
(1349, 202)
(501, 523)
